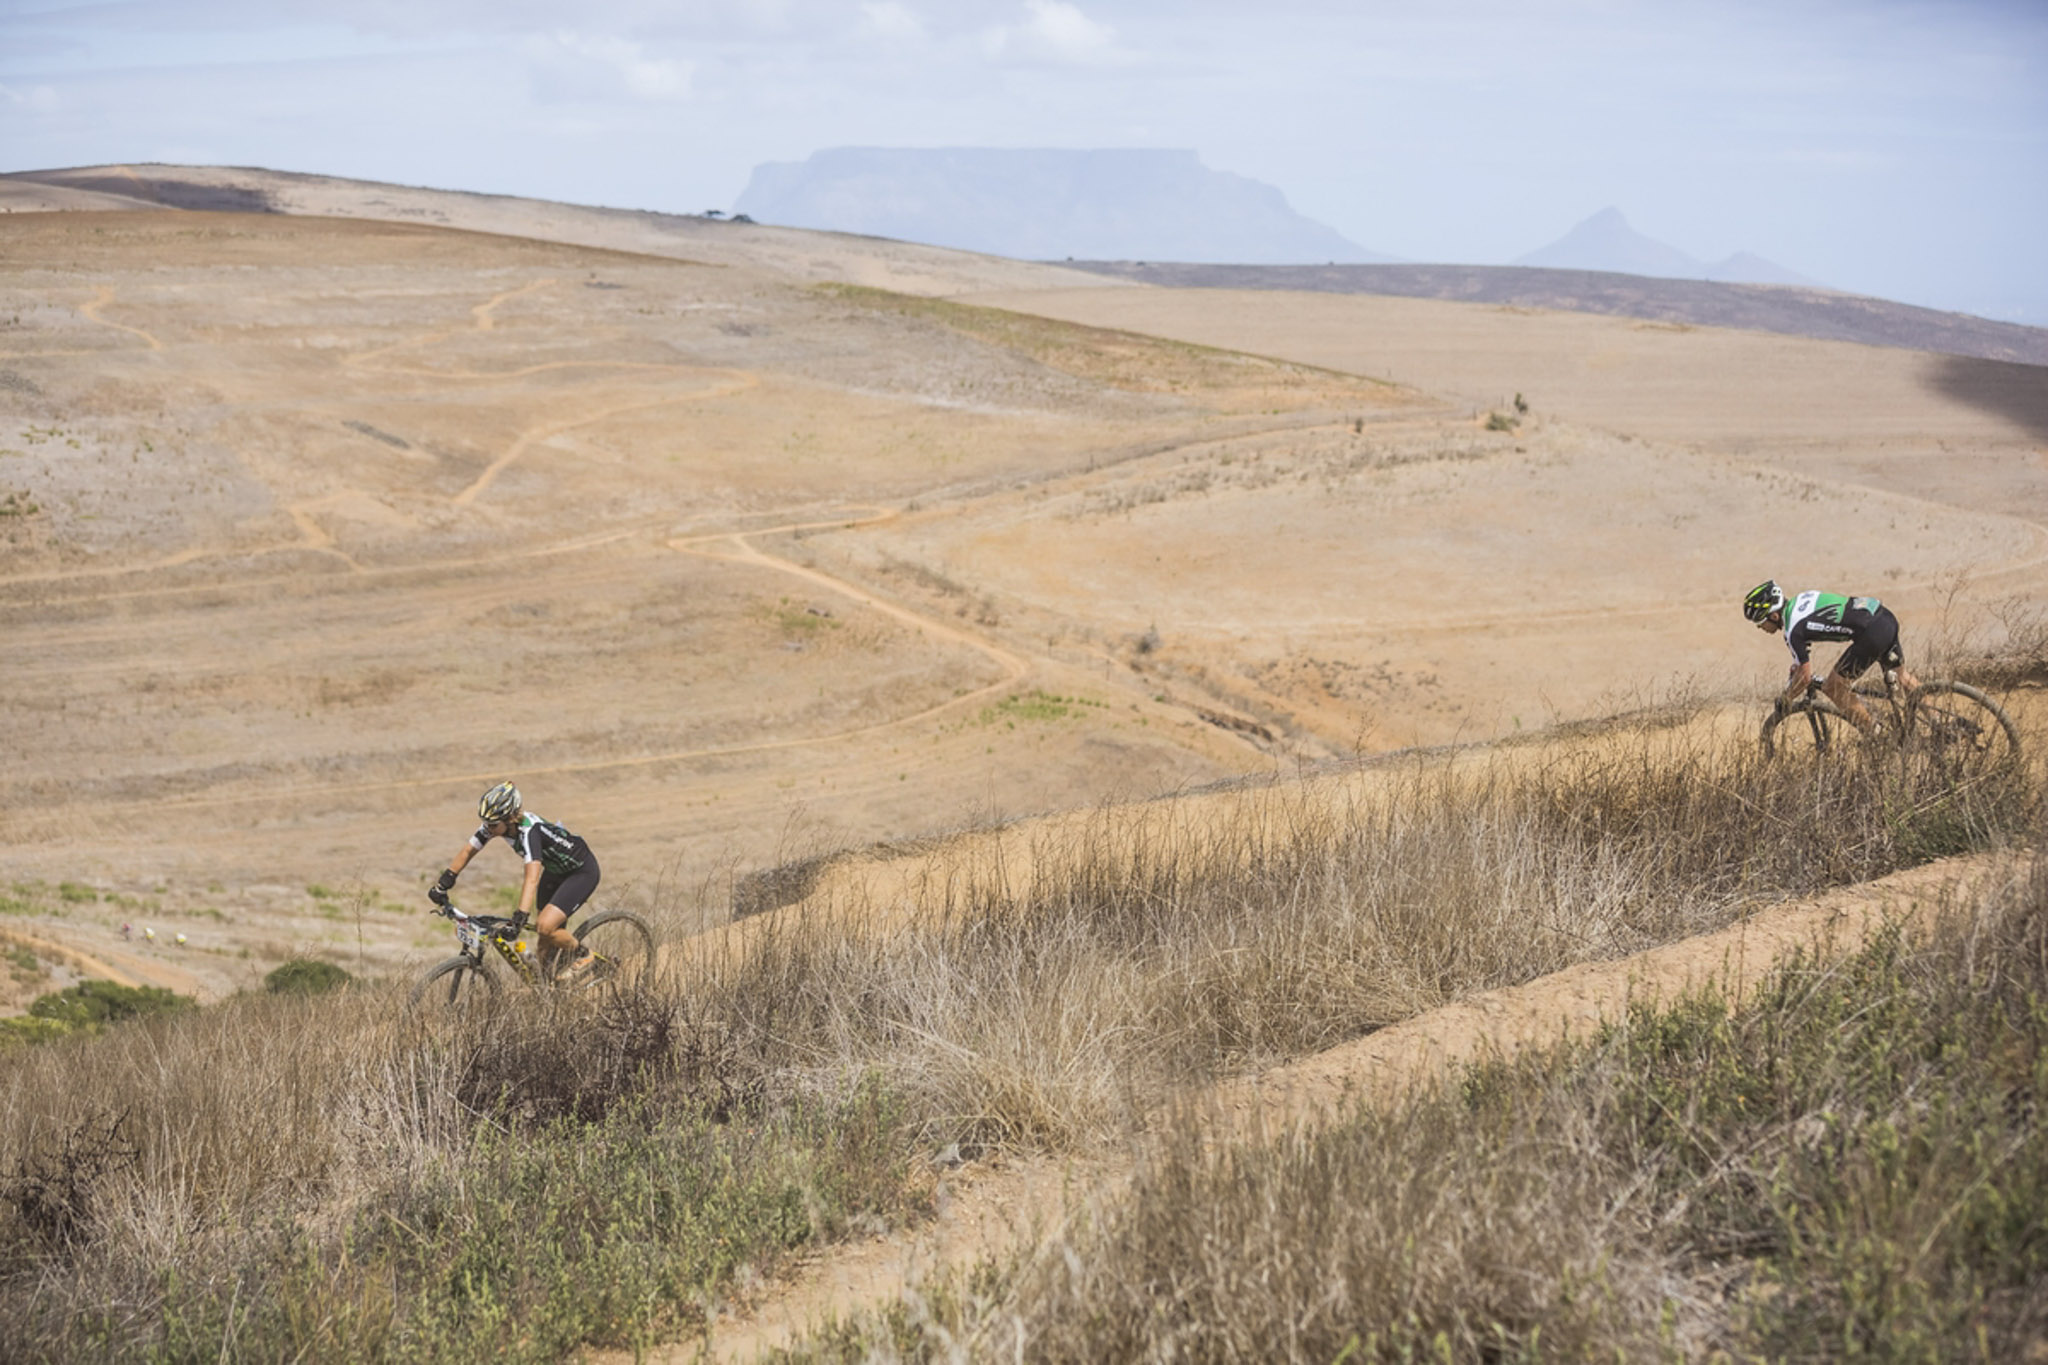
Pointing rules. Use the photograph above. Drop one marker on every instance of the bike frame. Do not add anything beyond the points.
(472, 932)
(1816, 690)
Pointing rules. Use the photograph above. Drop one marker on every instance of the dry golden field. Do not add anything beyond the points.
(744, 545)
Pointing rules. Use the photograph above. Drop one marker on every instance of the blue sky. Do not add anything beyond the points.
(1893, 147)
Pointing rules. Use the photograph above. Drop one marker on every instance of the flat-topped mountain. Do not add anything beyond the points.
(1045, 204)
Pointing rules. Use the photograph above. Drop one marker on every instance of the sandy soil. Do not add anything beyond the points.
(318, 527)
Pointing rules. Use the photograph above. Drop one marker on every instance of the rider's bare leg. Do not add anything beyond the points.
(1839, 691)
(558, 945)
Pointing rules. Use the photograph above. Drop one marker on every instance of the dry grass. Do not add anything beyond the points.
(317, 1178)
(1852, 1166)
(1157, 948)
(1132, 361)
(320, 1178)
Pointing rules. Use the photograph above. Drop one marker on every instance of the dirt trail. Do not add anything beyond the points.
(100, 300)
(990, 1210)
(135, 971)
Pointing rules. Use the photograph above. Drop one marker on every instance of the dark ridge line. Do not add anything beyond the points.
(1788, 310)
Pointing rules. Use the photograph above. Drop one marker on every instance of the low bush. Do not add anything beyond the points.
(305, 976)
(90, 1004)
(25, 1029)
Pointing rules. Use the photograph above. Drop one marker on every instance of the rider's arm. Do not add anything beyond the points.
(529, 890)
(1796, 683)
(445, 883)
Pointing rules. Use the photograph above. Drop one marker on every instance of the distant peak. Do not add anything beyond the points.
(1605, 241)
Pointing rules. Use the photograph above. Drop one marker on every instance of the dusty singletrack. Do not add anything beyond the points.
(1012, 1205)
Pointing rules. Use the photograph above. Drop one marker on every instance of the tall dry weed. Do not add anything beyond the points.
(1046, 995)
(1849, 1166)
(315, 1177)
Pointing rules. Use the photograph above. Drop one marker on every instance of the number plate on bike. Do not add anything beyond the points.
(466, 934)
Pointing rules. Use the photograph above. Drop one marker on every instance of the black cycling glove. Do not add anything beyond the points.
(438, 892)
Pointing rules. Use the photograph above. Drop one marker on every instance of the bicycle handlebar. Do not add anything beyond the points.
(492, 926)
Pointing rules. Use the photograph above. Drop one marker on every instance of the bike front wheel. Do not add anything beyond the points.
(621, 946)
(454, 984)
(1960, 730)
(1811, 726)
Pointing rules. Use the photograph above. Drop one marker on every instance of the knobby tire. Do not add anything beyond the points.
(453, 983)
(623, 942)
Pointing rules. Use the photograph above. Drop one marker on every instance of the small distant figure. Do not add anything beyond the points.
(149, 933)
(179, 940)
(127, 931)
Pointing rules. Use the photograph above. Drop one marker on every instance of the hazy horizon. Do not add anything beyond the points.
(1893, 148)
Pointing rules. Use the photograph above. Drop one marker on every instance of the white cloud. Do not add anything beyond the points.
(37, 99)
(568, 65)
(1054, 31)
(1063, 26)
(891, 19)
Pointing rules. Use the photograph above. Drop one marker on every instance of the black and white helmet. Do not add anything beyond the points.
(499, 803)
(1761, 601)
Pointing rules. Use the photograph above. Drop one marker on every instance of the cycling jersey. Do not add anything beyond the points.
(1825, 617)
(1863, 623)
(540, 841)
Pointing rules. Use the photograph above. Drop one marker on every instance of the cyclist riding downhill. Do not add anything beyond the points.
(1811, 617)
(561, 874)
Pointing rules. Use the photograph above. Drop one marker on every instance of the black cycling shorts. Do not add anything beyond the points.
(1876, 641)
(567, 891)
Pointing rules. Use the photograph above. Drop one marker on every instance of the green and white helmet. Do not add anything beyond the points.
(499, 803)
(1763, 599)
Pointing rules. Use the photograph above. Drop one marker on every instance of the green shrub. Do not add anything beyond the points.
(90, 1004)
(305, 976)
(27, 1028)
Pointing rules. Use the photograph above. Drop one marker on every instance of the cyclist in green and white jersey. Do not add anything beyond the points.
(561, 874)
(1865, 624)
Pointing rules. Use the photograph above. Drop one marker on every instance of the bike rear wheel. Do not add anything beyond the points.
(458, 982)
(1961, 730)
(621, 945)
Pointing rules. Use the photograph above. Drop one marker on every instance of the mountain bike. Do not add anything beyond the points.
(620, 943)
(1955, 726)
